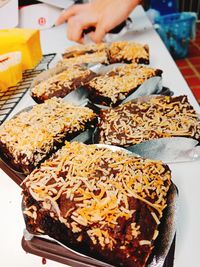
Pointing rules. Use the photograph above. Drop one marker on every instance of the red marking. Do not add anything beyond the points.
(4, 59)
(42, 21)
(44, 261)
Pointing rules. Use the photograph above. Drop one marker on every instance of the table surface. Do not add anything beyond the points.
(185, 175)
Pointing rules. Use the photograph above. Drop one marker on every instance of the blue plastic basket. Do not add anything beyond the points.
(176, 31)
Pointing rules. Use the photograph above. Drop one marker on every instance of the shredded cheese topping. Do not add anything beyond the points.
(89, 187)
(106, 53)
(129, 51)
(65, 81)
(120, 82)
(32, 134)
(135, 122)
(90, 53)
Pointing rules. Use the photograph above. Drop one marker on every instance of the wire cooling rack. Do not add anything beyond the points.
(12, 96)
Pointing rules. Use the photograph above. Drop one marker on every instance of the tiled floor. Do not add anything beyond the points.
(190, 66)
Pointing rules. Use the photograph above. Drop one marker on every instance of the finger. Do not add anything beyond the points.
(75, 29)
(98, 35)
(66, 14)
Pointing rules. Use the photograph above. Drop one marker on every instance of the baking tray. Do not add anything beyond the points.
(15, 176)
(53, 251)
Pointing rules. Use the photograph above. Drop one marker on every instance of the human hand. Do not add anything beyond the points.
(98, 15)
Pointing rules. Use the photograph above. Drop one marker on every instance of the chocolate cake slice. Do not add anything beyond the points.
(102, 203)
(157, 117)
(62, 83)
(128, 52)
(105, 53)
(31, 136)
(83, 54)
(113, 87)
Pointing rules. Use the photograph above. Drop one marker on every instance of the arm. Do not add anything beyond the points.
(103, 15)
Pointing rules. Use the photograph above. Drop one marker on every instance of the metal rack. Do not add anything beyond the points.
(12, 96)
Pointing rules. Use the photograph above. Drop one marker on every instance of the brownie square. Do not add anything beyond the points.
(138, 121)
(128, 52)
(84, 54)
(112, 88)
(105, 204)
(62, 83)
(31, 136)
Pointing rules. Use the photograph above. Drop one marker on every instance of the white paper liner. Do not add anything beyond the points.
(169, 150)
(168, 223)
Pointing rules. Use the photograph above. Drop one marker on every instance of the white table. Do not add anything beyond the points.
(185, 175)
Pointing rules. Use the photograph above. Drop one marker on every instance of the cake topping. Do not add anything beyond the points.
(32, 134)
(90, 53)
(93, 188)
(120, 82)
(61, 83)
(158, 117)
(124, 51)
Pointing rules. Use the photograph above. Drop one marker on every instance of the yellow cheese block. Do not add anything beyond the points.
(25, 40)
(10, 70)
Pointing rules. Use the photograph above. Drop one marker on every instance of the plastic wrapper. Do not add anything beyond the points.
(37, 244)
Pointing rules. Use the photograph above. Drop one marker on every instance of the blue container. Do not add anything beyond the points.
(165, 6)
(176, 31)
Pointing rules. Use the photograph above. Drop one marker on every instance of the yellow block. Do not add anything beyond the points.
(25, 40)
(10, 70)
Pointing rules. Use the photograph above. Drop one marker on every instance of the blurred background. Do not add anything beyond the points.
(176, 21)
(181, 34)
